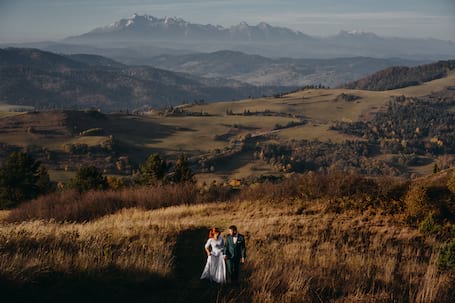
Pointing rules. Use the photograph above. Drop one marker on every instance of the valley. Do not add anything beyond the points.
(206, 133)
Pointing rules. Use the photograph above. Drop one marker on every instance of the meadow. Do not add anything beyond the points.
(310, 239)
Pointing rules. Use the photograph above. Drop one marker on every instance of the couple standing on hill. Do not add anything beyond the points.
(224, 259)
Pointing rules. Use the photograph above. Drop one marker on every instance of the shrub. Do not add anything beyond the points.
(115, 183)
(391, 189)
(181, 172)
(429, 225)
(87, 178)
(72, 205)
(416, 200)
(286, 189)
(342, 184)
(22, 178)
(312, 186)
(451, 182)
(447, 256)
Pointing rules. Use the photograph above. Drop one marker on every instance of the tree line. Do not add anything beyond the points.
(23, 178)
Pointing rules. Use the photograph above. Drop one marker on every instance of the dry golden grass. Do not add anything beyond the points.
(319, 105)
(4, 214)
(7, 113)
(425, 88)
(197, 134)
(313, 131)
(298, 251)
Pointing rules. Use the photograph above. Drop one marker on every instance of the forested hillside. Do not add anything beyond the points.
(399, 77)
(46, 80)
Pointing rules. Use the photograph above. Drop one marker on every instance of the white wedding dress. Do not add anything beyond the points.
(215, 268)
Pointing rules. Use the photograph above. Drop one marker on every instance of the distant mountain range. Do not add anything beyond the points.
(145, 26)
(263, 39)
(46, 80)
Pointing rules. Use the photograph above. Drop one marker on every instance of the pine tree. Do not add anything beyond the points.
(21, 178)
(89, 178)
(153, 170)
(182, 172)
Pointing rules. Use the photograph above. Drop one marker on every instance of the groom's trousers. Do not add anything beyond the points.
(233, 268)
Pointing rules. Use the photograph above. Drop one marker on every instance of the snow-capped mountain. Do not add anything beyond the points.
(141, 32)
(168, 28)
(356, 34)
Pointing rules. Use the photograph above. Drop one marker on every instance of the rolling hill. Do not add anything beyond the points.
(401, 76)
(238, 139)
(259, 70)
(45, 80)
(247, 68)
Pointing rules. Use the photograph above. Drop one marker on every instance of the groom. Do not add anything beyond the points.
(234, 252)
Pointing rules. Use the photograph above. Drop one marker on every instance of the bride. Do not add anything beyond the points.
(215, 268)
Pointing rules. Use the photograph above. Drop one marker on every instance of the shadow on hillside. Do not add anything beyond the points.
(189, 263)
(106, 285)
(114, 284)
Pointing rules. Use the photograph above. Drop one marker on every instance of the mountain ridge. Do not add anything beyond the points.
(262, 39)
(47, 80)
(147, 24)
(260, 70)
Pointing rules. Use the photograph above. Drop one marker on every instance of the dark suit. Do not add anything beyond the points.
(234, 252)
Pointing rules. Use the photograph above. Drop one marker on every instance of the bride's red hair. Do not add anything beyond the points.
(213, 231)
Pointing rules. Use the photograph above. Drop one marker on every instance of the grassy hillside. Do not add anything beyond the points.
(320, 104)
(301, 248)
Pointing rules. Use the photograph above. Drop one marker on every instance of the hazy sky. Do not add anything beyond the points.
(35, 20)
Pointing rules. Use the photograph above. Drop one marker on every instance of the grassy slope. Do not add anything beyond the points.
(320, 105)
(297, 252)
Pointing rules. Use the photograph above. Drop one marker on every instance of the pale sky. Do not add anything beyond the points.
(38, 20)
